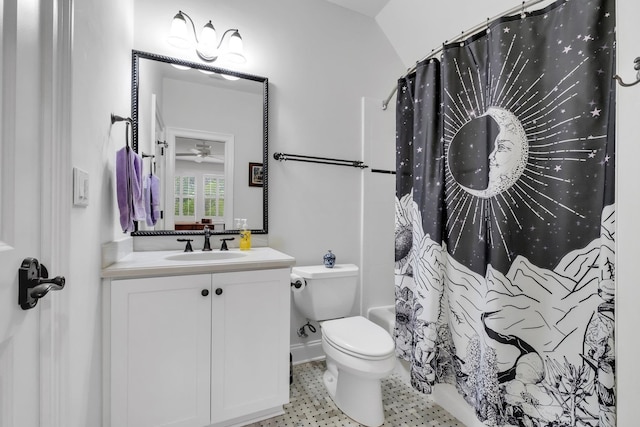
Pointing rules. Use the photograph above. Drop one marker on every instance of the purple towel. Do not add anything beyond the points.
(129, 188)
(152, 198)
(155, 198)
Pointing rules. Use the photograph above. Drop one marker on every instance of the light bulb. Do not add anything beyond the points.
(235, 50)
(207, 46)
(179, 33)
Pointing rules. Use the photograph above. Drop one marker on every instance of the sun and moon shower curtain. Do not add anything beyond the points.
(505, 218)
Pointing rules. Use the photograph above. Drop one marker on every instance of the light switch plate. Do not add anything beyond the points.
(80, 188)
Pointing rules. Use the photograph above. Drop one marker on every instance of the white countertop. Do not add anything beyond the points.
(155, 263)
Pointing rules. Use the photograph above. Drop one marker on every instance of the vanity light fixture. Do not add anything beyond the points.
(207, 46)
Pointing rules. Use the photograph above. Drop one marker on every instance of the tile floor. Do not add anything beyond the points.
(310, 405)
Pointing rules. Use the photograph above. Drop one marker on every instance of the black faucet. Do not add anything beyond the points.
(224, 243)
(207, 236)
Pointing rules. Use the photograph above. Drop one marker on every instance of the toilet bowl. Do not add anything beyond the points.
(385, 317)
(358, 352)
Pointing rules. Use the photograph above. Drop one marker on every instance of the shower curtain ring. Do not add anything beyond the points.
(523, 14)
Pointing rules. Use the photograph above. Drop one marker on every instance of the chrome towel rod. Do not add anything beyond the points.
(521, 8)
(322, 160)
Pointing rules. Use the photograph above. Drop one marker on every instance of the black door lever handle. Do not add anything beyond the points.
(34, 283)
(47, 285)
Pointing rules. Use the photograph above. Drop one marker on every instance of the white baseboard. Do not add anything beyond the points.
(252, 418)
(307, 352)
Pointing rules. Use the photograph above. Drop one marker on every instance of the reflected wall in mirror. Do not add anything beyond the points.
(200, 127)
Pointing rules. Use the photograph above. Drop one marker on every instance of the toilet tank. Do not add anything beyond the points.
(329, 292)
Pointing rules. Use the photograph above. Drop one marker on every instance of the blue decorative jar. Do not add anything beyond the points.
(329, 259)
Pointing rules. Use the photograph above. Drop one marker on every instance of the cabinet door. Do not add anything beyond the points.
(160, 351)
(250, 347)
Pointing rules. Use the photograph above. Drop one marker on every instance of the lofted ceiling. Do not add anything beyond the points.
(366, 7)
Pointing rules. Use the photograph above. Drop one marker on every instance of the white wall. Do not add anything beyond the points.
(628, 206)
(415, 27)
(102, 43)
(378, 201)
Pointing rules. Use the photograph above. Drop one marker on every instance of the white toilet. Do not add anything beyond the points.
(358, 352)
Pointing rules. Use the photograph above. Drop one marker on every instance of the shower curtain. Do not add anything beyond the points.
(505, 220)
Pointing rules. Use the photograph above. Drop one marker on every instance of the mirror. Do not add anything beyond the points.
(202, 132)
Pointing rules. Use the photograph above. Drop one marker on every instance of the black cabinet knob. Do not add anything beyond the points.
(219, 291)
(205, 292)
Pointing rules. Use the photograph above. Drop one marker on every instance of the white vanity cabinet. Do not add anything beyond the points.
(198, 350)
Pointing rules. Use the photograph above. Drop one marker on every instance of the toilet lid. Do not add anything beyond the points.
(359, 337)
(322, 272)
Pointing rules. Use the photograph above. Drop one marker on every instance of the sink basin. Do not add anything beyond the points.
(205, 256)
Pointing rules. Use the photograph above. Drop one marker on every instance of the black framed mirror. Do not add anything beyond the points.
(203, 132)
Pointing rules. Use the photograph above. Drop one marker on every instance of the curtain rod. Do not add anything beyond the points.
(520, 8)
(322, 160)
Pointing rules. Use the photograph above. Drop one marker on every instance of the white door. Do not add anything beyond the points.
(159, 143)
(28, 122)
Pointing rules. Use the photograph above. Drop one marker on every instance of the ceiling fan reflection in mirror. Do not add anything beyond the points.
(202, 151)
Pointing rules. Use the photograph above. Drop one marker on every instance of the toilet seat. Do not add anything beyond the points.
(358, 337)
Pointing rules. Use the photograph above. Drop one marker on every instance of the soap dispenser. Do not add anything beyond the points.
(245, 237)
